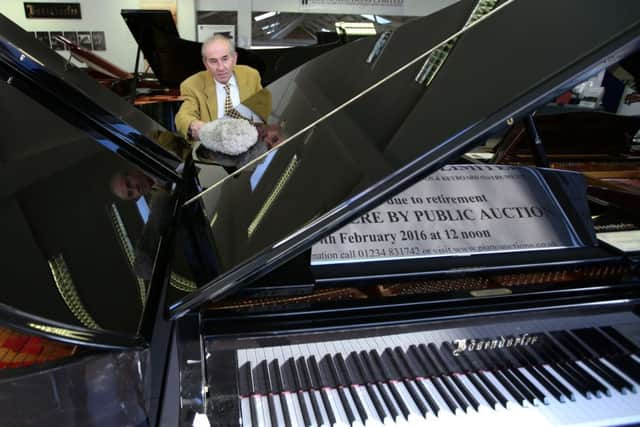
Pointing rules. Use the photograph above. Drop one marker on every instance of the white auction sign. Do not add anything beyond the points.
(458, 210)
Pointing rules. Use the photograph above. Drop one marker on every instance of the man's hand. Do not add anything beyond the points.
(194, 129)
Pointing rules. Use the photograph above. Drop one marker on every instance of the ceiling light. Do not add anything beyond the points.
(264, 16)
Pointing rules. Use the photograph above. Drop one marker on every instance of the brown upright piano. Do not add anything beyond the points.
(199, 303)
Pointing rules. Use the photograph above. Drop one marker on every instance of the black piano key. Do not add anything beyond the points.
(592, 360)
(291, 381)
(598, 342)
(436, 381)
(498, 361)
(541, 375)
(537, 393)
(408, 370)
(614, 345)
(620, 339)
(502, 379)
(472, 377)
(454, 372)
(618, 348)
(548, 375)
(376, 360)
(368, 381)
(477, 368)
(317, 383)
(379, 378)
(562, 369)
(250, 392)
(331, 371)
(269, 392)
(593, 384)
(406, 377)
(627, 365)
(244, 380)
(274, 368)
(304, 376)
(443, 374)
(346, 377)
(578, 351)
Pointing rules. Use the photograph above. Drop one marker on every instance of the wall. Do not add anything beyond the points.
(104, 15)
(245, 7)
(101, 15)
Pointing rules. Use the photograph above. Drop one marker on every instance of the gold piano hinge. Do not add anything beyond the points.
(437, 58)
(66, 288)
(284, 178)
(127, 247)
(182, 283)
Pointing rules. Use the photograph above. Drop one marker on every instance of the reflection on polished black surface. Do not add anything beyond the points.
(85, 244)
(80, 224)
(333, 164)
(112, 244)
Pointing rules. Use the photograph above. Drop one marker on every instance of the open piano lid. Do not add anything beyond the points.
(65, 236)
(358, 128)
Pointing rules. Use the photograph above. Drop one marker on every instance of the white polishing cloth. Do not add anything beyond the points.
(228, 136)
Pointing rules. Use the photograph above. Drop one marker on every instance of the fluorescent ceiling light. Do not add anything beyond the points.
(264, 16)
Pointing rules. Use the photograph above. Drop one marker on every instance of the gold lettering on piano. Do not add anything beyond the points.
(473, 344)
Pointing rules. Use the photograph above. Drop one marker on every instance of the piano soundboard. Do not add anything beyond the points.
(557, 371)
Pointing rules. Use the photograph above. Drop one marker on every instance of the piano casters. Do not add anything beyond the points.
(537, 149)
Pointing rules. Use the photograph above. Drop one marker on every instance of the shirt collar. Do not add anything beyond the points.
(232, 83)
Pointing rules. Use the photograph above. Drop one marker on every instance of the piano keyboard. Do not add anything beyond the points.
(585, 376)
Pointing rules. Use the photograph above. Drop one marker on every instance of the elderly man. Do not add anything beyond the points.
(217, 91)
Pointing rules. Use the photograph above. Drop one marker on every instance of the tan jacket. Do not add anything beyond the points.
(200, 100)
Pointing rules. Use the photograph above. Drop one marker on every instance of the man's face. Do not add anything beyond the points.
(132, 185)
(219, 60)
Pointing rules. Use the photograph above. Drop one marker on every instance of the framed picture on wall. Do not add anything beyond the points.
(84, 40)
(55, 43)
(98, 40)
(72, 36)
(207, 30)
(43, 36)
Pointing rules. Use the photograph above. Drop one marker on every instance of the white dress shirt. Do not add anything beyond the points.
(234, 91)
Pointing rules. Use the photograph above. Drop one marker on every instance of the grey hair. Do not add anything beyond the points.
(216, 37)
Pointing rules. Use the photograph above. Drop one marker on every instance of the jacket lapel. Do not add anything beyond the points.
(242, 88)
(211, 98)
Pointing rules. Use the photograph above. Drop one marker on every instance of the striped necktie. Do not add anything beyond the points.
(229, 111)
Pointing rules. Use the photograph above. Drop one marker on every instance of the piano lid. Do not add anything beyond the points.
(46, 77)
(356, 127)
(77, 240)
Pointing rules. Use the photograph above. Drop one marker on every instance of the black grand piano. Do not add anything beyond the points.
(173, 59)
(198, 303)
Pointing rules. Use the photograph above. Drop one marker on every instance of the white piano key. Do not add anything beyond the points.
(386, 419)
(318, 397)
(266, 413)
(245, 412)
(373, 420)
(259, 410)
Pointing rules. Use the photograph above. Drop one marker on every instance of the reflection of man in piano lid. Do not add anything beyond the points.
(131, 184)
(211, 94)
